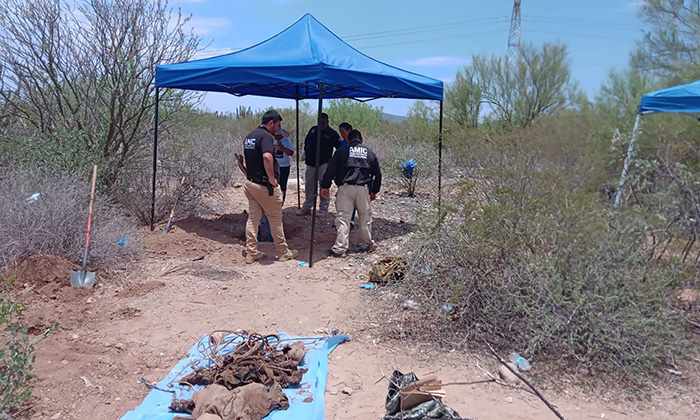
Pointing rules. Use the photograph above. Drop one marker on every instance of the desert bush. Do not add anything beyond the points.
(529, 262)
(16, 355)
(392, 150)
(199, 146)
(55, 224)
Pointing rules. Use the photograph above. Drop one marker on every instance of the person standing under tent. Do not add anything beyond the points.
(329, 140)
(264, 197)
(357, 174)
(284, 149)
(344, 129)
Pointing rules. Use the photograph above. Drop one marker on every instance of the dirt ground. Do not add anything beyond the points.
(141, 319)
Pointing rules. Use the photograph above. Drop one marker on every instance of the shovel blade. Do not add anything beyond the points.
(80, 278)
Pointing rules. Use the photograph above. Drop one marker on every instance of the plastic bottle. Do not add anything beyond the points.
(32, 198)
(519, 361)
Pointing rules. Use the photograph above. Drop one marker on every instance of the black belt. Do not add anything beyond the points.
(264, 183)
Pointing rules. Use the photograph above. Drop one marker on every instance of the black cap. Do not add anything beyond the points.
(271, 115)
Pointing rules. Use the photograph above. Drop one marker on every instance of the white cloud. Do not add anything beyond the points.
(212, 52)
(437, 61)
(206, 25)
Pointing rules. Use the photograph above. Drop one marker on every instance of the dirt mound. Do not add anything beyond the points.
(40, 270)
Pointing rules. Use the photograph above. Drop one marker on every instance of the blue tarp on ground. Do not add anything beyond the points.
(682, 98)
(313, 383)
(293, 63)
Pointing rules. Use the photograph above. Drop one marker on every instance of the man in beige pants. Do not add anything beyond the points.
(262, 189)
(355, 169)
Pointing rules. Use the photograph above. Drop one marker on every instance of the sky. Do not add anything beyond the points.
(433, 38)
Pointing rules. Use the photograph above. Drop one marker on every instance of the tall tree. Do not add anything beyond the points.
(83, 71)
(360, 115)
(671, 45)
(463, 98)
(423, 121)
(538, 84)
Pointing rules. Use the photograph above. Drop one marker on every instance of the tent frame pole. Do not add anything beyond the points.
(316, 184)
(155, 163)
(625, 168)
(297, 152)
(440, 162)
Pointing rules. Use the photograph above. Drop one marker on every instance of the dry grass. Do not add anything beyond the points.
(55, 224)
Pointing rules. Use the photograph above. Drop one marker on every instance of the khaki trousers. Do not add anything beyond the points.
(259, 202)
(310, 185)
(347, 198)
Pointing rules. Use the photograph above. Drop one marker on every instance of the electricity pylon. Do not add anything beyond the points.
(514, 36)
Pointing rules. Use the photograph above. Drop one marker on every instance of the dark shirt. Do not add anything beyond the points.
(256, 143)
(354, 164)
(329, 139)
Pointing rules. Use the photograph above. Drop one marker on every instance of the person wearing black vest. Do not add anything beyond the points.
(262, 189)
(330, 140)
(355, 169)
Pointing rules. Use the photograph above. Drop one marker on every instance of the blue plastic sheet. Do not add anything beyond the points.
(313, 383)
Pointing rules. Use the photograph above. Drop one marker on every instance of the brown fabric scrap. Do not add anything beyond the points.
(249, 402)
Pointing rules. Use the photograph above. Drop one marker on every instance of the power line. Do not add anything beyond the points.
(413, 32)
(429, 28)
(434, 39)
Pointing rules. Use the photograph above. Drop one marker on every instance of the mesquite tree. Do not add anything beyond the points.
(79, 75)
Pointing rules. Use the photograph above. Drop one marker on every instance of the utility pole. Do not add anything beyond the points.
(514, 37)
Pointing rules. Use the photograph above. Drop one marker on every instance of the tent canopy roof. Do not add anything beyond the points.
(293, 64)
(682, 98)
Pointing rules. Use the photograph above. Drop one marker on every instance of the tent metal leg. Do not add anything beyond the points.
(625, 168)
(440, 163)
(155, 164)
(297, 152)
(318, 161)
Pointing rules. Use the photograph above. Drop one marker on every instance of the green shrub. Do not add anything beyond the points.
(526, 260)
(16, 357)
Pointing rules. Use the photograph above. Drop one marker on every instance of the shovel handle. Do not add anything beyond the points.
(92, 201)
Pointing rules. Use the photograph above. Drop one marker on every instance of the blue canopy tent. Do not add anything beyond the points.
(305, 61)
(682, 99)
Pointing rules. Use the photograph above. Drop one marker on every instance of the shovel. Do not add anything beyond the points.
(84, 278)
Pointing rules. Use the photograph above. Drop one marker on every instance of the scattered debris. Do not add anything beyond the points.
(508, 376)
(411, 304)
(254, 360)
(389, 269)
(411, 399)
(251, 401)
(243, 377)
